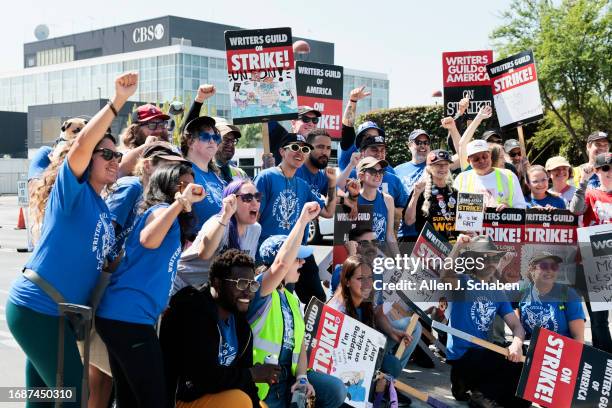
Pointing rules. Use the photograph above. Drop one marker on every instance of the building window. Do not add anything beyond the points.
(54, 56)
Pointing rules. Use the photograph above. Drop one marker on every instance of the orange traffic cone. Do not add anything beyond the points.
(21, 220)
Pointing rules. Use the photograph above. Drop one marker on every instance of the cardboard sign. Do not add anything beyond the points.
(596, 251)
(261, 74)
(553, 231)
(343, 224)
(320, 86)
(23, 197)
(560, 372)
(465, 76)
(516, 94)
(506, 229)
(470, 212)
(343, 347)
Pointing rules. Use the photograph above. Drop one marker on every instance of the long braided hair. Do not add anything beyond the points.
(429, 184)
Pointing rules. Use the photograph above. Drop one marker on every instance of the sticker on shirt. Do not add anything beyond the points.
(214, 193)
(284, 209)
(103, 239)
(540, 316)
(227, 354)
(482, 313)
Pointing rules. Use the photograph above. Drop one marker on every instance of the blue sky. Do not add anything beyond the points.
(404, 39)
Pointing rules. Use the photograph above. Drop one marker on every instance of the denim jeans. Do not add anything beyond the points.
(330, 391)
(401, 324)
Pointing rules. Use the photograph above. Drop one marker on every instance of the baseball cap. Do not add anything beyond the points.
(477, 146)
(198, 122)
(163, 150)
(294, 138)
(305, 109)
(489, 134)
(555, 162)
(511, 144)
(438, 155)
(603, 159)
(365, 126)
(270, 247)
(598, 135)
(371, 141)
(416, 133)
(226, 128)
(145, 113)
(480, 244)
(540, 256)
(369, 162)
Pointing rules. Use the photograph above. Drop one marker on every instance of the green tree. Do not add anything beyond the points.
(251, 136)
(572, 43)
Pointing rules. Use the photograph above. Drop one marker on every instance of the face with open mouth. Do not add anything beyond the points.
(294, 273)
(420, 148)
(232, 298)
(293, 159)
(247, 212)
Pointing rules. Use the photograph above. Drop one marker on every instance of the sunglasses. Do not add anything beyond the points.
(248, 197)
(306, 119)
(108, 154)
(367, 242)
(294, 147)
(242, 284)
(514, 154)
(550, 266)
(207, 137)
(156, 125)
(494, 141)
(229, 141)
(605, 168)
(374, 172)
(422, 142)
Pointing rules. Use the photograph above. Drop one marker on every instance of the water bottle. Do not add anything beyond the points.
(298, 399)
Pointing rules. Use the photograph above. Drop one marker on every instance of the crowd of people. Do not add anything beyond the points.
(208, 271)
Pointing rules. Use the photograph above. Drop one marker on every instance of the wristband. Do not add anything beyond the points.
(352, 100)
(112, 107)
(220, 223)
(302, 376)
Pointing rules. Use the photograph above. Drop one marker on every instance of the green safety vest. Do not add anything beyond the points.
(268, 330)
(468, 178)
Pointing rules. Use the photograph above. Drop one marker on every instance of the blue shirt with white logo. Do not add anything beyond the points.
(211, 204)
(282, 202)
(409, 173)
(379, 215)
(140, 287)
(474, 315)
(76, 238)
(555, 201)
(228, 341)
(123, 204)
(391, 185)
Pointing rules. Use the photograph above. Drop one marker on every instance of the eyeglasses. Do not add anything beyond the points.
(307, 119)
(368, 242)
(156, 125)
(108, 154)
(242, 284)
(422, 142)
(374, 172)
(207, 137)
(514, 154)
(294, 147)
(550, 266)
(605, 168)
(229, 141)
(480, 157)
(248, 197)
(494, 141)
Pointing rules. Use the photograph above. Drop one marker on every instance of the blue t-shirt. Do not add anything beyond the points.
(391, 185)
(409, 173)
(317, 181)
(282, 202)
(40, 162)
(556, 202)
(553, 311)
(258, 302)
(228, 341)
(379, 215)
(77, 236)
(140, 287)
(211, 204)
(123, 204)
(475, 315)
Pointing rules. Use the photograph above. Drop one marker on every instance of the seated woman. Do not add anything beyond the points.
(549, 304)
(278, 325)
(234, 227)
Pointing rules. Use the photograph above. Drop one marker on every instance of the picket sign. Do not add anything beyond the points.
(409, 329)
(265, 135)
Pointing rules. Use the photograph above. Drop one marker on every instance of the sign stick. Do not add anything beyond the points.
(409, 329)
(265, 135)
(522, 141)
(420, 395)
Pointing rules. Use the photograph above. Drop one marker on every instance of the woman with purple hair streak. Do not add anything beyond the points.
(234, 227)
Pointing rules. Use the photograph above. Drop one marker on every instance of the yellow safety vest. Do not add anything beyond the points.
(468, 178)
(268, 330)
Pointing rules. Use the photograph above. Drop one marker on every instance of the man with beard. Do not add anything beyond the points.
(597, 143)
(147, 120)
(207, 342)
(312, 171)
(229, 138)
